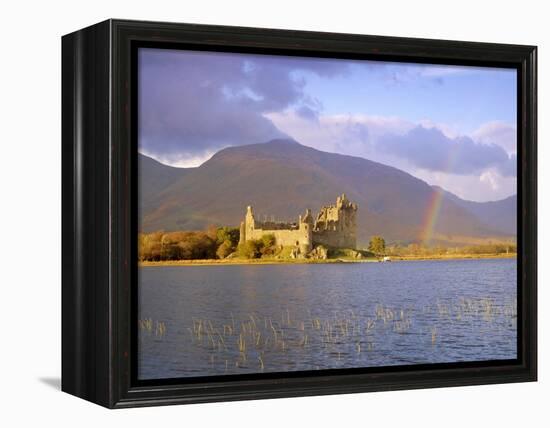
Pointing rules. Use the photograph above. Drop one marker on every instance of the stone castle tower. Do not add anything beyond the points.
(335, 227)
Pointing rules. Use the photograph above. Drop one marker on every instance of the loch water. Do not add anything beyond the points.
(240, 319)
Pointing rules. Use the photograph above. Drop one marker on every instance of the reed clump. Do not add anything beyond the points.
(253, 341)
(149, 326)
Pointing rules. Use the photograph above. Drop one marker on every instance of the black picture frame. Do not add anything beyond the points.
(99, 259)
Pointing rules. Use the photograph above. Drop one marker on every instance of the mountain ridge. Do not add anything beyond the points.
(501, 214)
(282, 178)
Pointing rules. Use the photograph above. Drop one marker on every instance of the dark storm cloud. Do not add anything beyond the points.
(191, 103)
(430, 149)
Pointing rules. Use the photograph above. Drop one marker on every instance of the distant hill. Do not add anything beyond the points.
(500, 215)
(154, 176)
(282, 178)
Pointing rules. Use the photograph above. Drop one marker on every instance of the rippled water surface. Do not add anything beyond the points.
(213, 320)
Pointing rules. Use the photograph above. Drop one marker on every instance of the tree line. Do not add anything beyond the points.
(188, 245)
(213, 243)
(415, 249)
(221, 242)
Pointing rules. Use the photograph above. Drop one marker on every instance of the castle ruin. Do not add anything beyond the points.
(334, 227)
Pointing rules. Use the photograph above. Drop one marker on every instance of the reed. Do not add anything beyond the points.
(160, 328)
(434, 335)
(242, 344)
(251, 337)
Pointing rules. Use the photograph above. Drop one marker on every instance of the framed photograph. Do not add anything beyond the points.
(253, 213)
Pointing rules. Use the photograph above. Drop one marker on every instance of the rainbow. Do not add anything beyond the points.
(434, 205)
(430, 217)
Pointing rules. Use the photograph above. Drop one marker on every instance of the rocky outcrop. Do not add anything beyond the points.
(319, 253)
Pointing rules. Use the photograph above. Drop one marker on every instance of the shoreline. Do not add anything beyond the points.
(222, 262)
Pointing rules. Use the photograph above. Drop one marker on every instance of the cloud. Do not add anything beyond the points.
(352, 134)
(193, 103)
(402, 73)
(447, 130)
(307, 113)
(433, 152)
(489, 185)
(431, 149)
(491, 178)
(499, 133)
(398, 142)
(182, 160)
(430, 74)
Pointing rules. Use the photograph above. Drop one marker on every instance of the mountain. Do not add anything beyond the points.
(153, 176)
(282, 178)
(500, 215)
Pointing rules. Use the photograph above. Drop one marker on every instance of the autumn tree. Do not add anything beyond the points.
(227, 239)
(229, 234)
(377, 245)
(250, 249)
(224, 249)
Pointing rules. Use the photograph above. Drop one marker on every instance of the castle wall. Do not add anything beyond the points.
(284, 237)
(333, 239)
(335, 227)
(300, 237)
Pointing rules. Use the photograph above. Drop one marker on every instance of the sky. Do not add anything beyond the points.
(452, 126)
